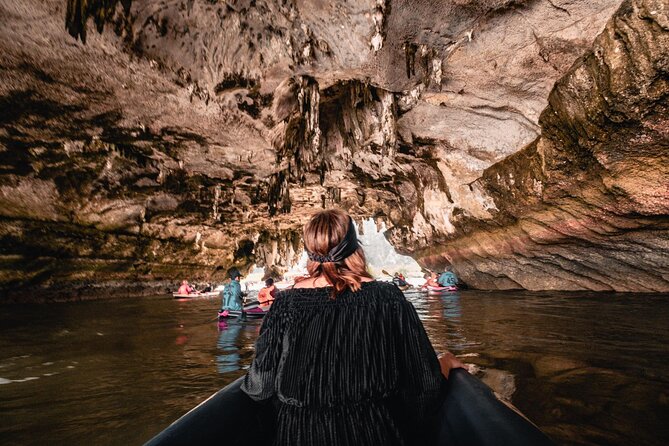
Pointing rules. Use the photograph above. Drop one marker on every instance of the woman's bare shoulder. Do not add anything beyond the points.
(319, 282)
(310, 282)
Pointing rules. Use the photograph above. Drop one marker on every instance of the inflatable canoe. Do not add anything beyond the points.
(440, 289)
(470, 416)
(196, 295)
(251, 311)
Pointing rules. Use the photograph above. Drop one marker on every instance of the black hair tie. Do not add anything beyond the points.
(344, 249)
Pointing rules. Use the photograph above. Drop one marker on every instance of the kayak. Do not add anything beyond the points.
(470, 415)
(251, 309)
(255, 313)
(196, 295)
(440, 289)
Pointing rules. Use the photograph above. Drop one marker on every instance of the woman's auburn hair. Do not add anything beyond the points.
(322, 233)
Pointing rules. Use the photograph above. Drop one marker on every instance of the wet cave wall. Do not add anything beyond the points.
(190, 136)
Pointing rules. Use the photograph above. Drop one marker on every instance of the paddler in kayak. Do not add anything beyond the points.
(185, 288)
(232, 296)
(400, 281)
(267, 294)
(448, 278)
(431, 281)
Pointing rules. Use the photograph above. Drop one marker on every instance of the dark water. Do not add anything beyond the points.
(587, 368)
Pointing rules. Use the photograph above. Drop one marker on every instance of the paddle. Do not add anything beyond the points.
(243, 315)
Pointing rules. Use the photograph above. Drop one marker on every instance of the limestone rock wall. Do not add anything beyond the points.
(187, 137)
(586, 205)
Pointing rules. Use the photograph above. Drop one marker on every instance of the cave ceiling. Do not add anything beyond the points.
(191, 135)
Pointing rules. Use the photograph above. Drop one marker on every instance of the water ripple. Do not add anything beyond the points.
(587, 368)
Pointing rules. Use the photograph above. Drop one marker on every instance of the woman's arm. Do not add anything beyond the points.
(259, 383)
(421, 379)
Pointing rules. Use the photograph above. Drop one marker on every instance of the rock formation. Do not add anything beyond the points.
(193, 135)
(586, 205)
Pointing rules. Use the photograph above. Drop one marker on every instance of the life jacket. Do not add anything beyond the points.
(266, 297)
(231, 292)
(447, 278)
(232, 296)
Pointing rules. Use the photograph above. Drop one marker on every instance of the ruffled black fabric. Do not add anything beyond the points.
(355, 370)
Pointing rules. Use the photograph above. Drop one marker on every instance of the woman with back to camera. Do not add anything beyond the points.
(344, 358)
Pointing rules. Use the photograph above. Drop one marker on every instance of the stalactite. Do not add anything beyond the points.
(78, 12)
(379, 18)
(300, 145)
(278, 250)
(308, 98)
(332, 197)
(301, 141)
(388, 121)
(278, 193)
(217, 197)
(365, 119)
(436, 72)
(357, 95)
(410, 58)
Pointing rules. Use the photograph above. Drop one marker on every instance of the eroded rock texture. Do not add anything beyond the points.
(586, 205)
(193, 135)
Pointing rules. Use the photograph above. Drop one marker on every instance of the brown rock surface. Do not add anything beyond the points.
(586, 205)
(190, 136)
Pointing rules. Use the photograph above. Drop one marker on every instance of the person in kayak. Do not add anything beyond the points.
(266, 294)
(344, 359)
(399, 280)
(447, 278)
(431, 281)
(232, 296)
(185, 288)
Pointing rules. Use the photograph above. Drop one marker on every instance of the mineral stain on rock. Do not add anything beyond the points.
(523, 143)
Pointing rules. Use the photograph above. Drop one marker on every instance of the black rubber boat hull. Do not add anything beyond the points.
(470, 416)
(238, 314)
(249, 312)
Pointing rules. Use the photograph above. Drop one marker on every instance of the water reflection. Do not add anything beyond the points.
(589, 369)
(228, 360)
(452, 311)
(235, 345)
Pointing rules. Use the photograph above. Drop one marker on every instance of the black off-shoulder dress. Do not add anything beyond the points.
(355, 370)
